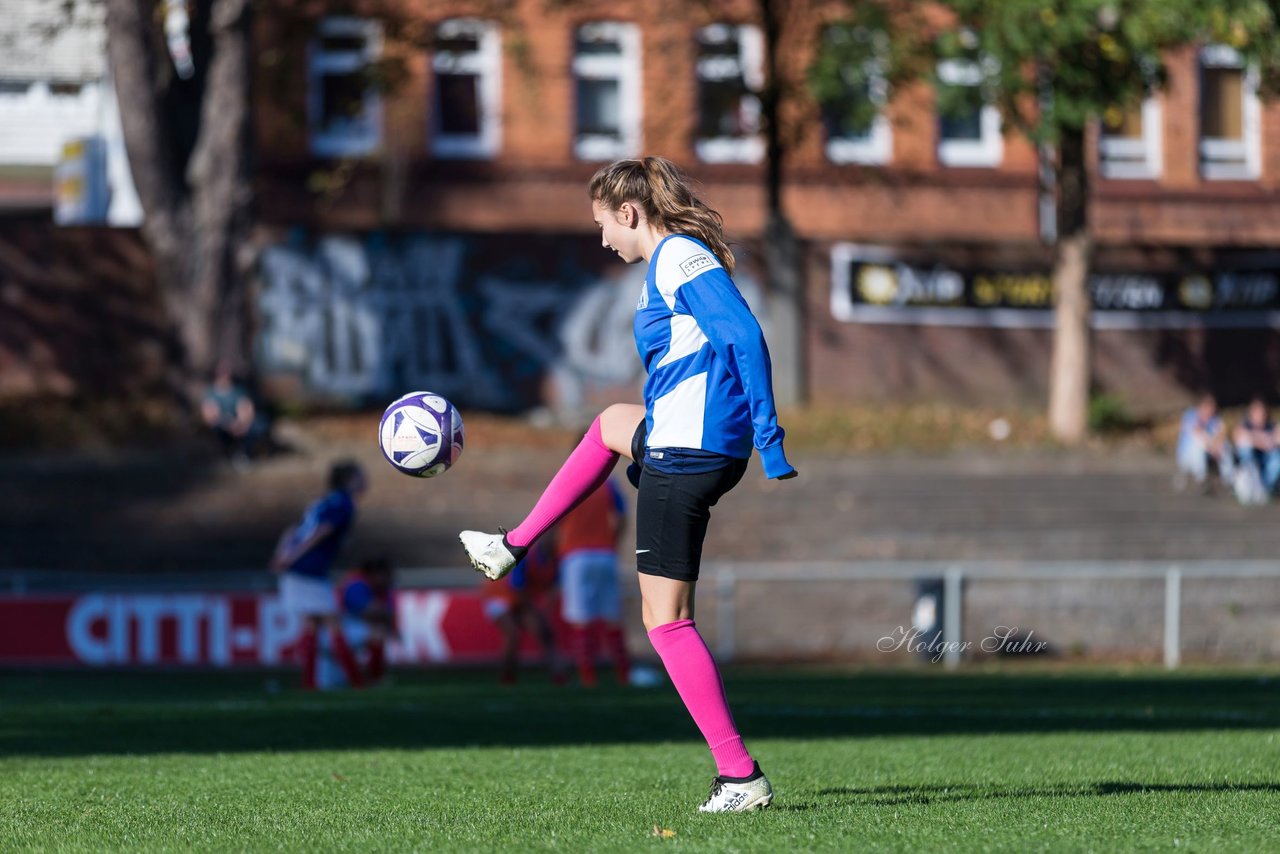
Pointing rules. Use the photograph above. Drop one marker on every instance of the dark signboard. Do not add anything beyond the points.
(871, 284)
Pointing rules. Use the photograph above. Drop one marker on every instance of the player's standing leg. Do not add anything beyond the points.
(576, 610)
(606, 609)
(309, 651)
(537, 624)
(506, 623)
(668, 616)
(615, 644)
(672, 512)
(376, 665)
(342, 652)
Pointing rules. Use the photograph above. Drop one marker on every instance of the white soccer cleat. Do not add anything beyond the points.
(729, 795)
(488, 553)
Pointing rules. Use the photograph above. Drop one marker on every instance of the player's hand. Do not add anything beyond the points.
(788, 475)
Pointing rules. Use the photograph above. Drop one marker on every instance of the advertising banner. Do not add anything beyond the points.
(224, 629)
(877, 284)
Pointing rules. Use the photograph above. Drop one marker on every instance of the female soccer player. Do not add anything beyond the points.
(708, 398)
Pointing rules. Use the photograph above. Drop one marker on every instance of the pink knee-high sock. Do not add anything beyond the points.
(693, 671)
(586, 468)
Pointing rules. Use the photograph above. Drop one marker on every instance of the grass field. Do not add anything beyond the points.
(860, 760)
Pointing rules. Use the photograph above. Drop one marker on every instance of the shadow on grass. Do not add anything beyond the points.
(888, 796)
(79, 713)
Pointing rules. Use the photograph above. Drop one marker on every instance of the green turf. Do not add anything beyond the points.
(911, 761)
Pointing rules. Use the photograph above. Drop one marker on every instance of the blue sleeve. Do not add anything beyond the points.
(337, 510)
(735, 335)
(518, 576)
(356, 598)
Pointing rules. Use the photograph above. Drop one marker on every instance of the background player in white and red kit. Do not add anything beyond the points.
(587, 547)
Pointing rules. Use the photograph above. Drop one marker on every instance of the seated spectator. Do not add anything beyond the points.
(1202, 442)
(229, 411)
(1257, 442)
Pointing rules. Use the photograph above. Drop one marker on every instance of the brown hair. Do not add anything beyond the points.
(344, 473)
(661, 190)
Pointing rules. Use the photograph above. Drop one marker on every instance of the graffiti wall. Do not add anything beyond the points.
(496, 322)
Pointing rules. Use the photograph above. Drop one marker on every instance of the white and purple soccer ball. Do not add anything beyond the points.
(421, 434)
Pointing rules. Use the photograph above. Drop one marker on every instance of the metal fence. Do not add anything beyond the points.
(723, 580)
(726, 577)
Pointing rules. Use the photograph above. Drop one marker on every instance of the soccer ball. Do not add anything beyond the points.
(421, 434)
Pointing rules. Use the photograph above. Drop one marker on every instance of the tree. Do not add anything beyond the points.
(185, 111)
(1054, 68)
(783, 24)
(784, 262)
(183, 74)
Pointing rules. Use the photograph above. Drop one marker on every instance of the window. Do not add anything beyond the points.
(1230, 136)
(606, 71)
(968, 127)
(1129, 143)
(730, 72)
(856, 128)
(468, 94)
(344, 111)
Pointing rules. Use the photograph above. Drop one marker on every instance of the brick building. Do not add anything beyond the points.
(422, 186)
(925, 272)
(57, 105)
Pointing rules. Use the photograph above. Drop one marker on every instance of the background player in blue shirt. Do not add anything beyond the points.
(708, 400)
(303, 559)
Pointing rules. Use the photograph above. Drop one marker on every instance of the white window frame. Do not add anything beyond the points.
(877, 147)
(624, 68)
(1231, 159)
(988, 149)
(486, 64)
(749, 65)
(363, 137)
(1126, 158)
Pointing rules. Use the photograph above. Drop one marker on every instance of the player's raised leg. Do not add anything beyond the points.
(608, 437)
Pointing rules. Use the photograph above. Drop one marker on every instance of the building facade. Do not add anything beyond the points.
(61, 147)
(926, 269)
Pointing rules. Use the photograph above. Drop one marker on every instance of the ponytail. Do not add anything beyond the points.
(663, 193)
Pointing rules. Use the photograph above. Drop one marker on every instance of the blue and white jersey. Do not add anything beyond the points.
(710, 384)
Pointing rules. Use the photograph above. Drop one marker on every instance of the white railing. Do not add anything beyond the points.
(725, 578)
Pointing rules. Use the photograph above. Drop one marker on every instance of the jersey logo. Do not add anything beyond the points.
(644, 297)
(692, 266)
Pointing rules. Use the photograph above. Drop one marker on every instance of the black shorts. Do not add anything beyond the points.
(672, 511)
